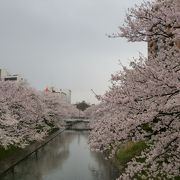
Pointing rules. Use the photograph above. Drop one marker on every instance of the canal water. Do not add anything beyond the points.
(66, 157)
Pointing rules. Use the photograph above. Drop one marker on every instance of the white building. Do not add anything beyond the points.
(65, 94)
(3, 73)
(6, 76)
(68, 94)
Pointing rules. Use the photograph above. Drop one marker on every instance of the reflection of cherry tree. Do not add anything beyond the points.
(27, 115)
(47, 159)
(144, 100)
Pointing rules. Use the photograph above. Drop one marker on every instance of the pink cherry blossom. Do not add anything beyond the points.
(145, 93)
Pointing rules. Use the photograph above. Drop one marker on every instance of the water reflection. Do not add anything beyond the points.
(67, 157)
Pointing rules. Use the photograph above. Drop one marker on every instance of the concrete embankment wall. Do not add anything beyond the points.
(13, 160)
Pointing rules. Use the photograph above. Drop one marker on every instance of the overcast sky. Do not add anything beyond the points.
(63, 43)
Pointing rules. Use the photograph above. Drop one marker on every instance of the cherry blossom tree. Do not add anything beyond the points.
(27, 115)
(21, 115)
(89, 112)
(55, 110)
(144, 100)
(155, 20)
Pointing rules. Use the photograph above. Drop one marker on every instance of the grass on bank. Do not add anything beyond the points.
(127, 151)
(5, 153)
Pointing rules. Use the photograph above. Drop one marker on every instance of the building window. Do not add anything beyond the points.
(10, 79)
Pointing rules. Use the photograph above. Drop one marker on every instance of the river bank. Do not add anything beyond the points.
(19, 155)
(66, 157)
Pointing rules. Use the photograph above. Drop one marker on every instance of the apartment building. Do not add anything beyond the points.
(64, 94)
(6, 76)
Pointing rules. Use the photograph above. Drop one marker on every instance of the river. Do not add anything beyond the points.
(66, 157)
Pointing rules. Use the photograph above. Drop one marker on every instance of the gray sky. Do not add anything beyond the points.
(63, 43)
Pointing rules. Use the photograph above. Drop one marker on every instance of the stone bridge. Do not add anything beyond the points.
(77, 124)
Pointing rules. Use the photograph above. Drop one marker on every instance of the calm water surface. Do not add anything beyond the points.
(67, 157)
